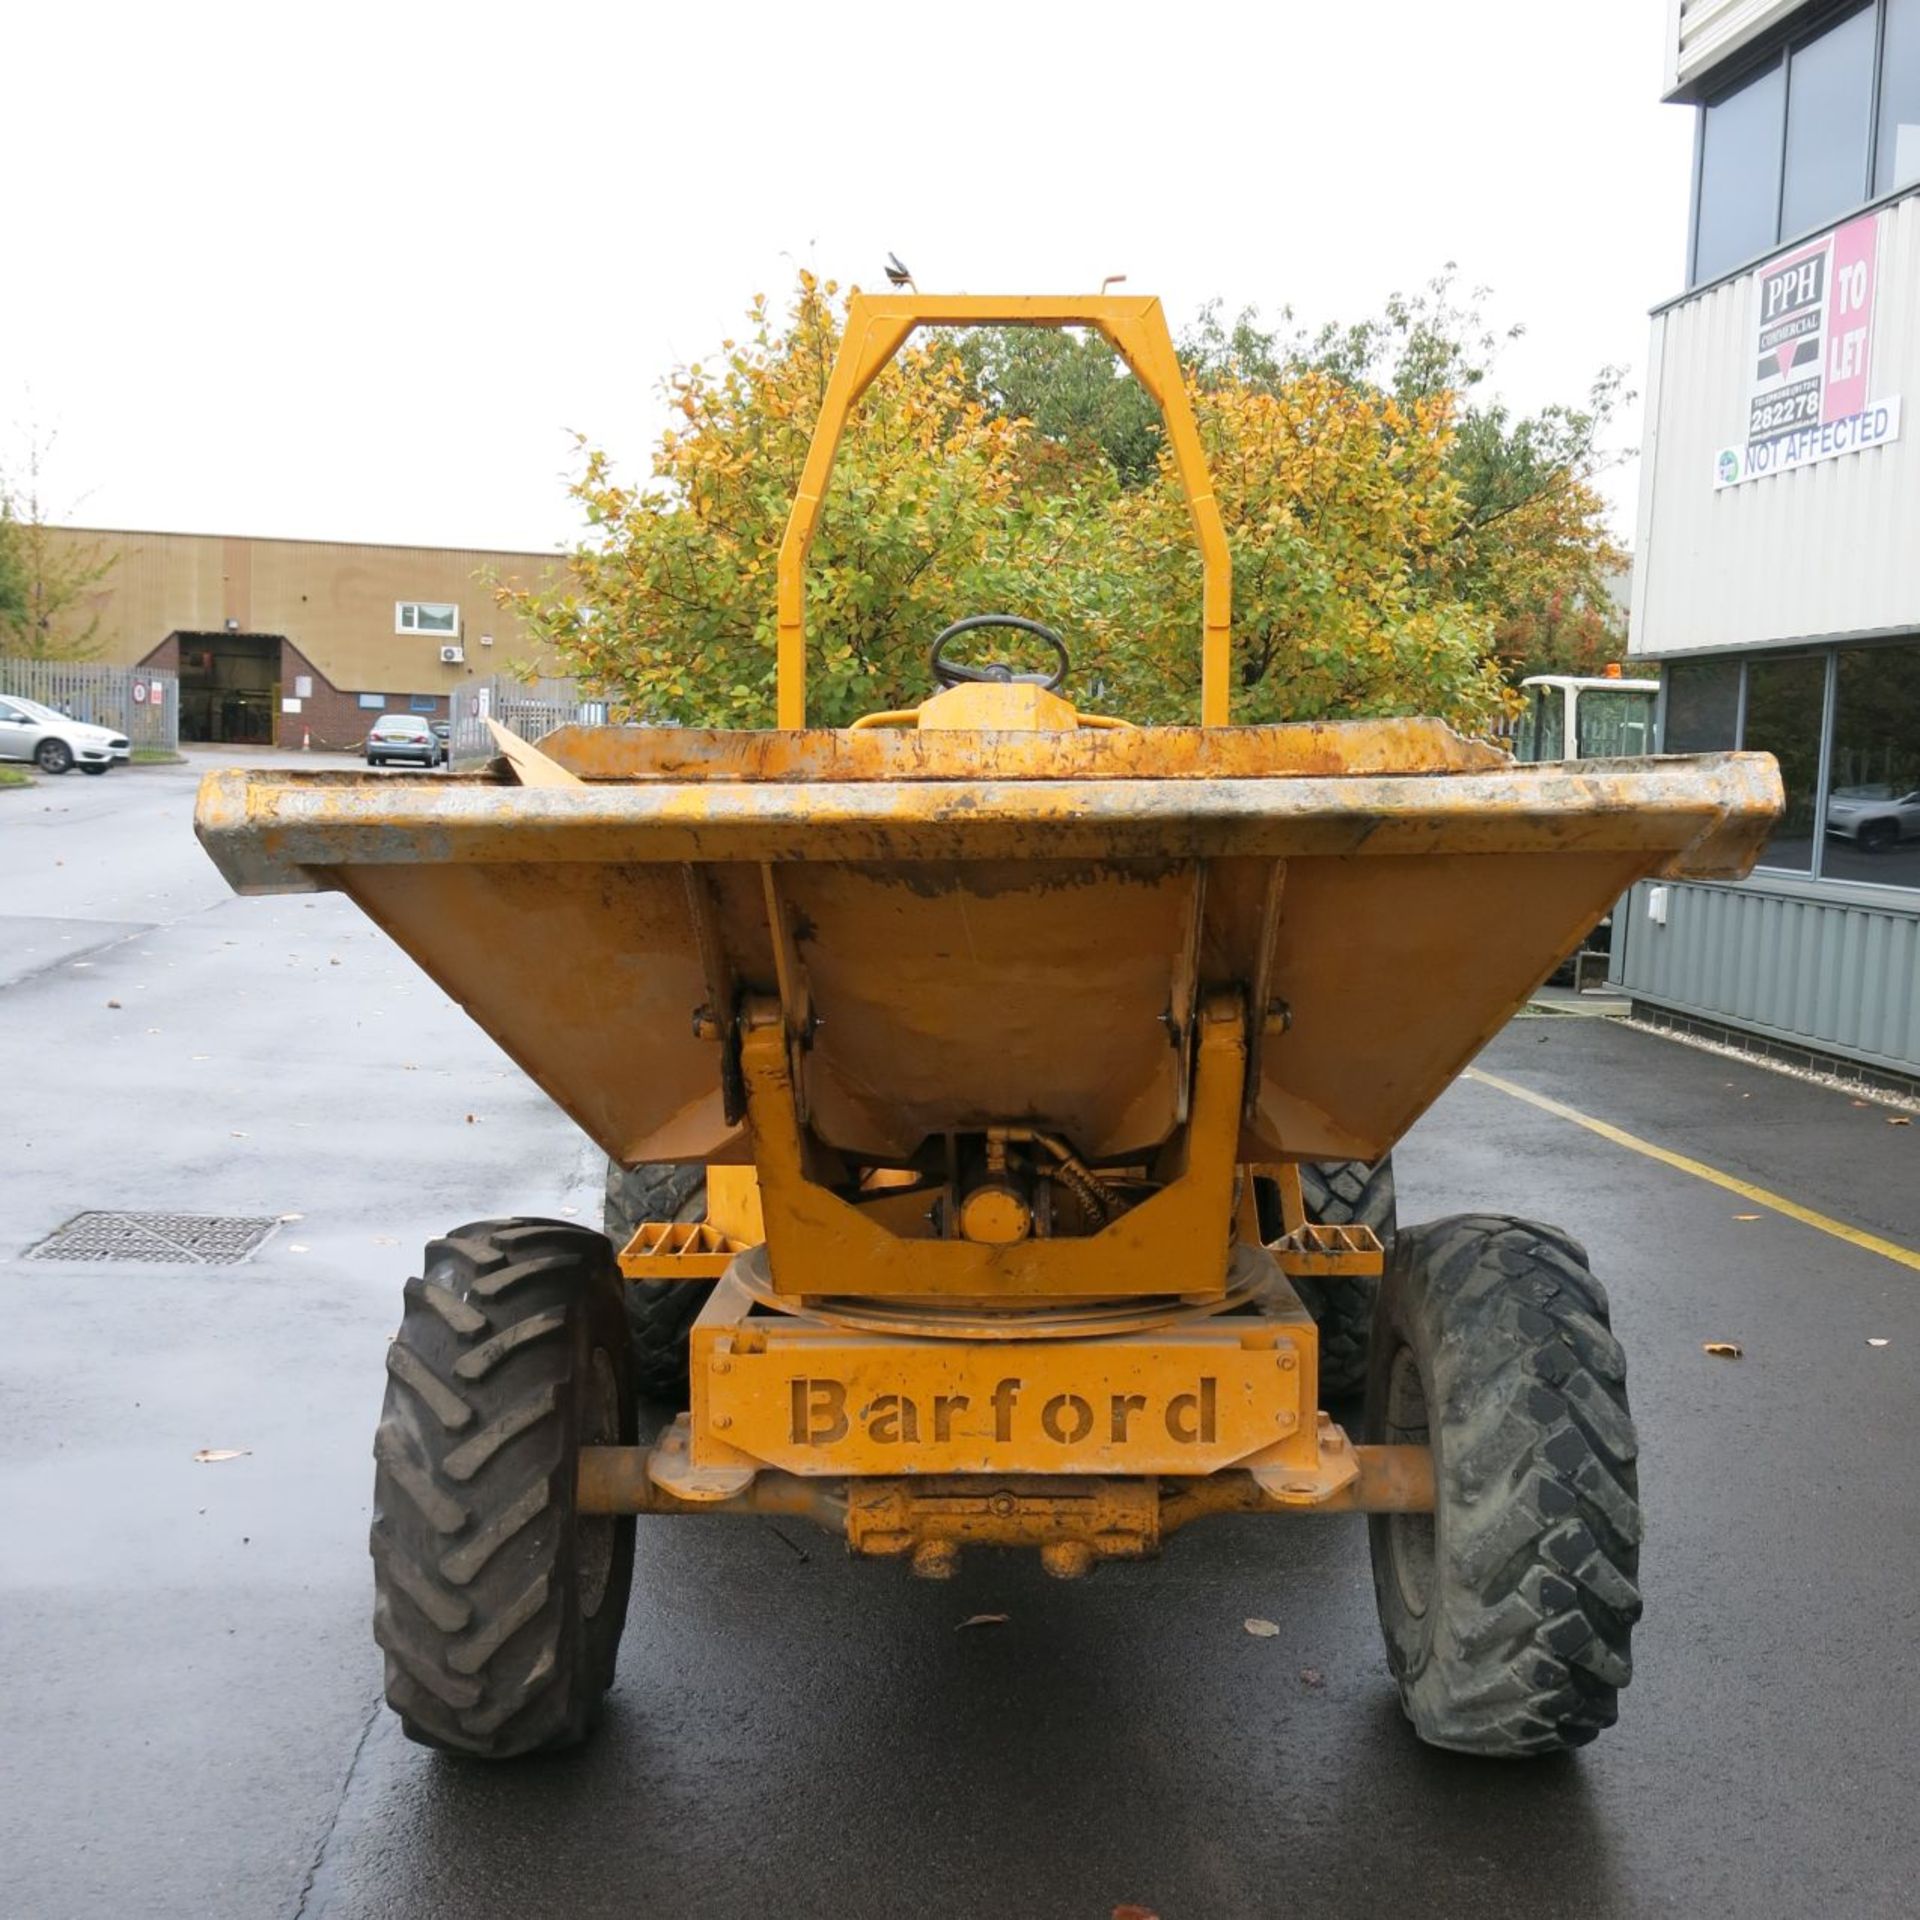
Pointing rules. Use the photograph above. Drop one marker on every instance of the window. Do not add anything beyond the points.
(1785, 698)
(1739, 195)
(1822, 125)
(1873, 782)
(422, 703)
(1703, 706)
(425, 616)
(1613, 722)
(374, 702)
(1829, 122)
(1898, 145)
(1542, 733)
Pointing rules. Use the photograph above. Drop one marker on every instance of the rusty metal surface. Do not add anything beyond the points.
(267, 831)
(938, 753)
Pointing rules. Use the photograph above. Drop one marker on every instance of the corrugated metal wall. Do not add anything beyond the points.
(1829, 549)
(1832, 976)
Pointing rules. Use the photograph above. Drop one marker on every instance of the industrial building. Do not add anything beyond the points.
(296, 642)
(1777, 581)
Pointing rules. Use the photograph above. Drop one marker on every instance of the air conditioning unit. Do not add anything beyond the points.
(452, 656)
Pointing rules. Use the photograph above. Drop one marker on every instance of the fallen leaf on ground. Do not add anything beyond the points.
(1874, 1340)
(285, 1217)
(981, 1620)
(208, 1456)
(1312, 1677)
(469, 1119)
(1134, 1913)
(1260, 1629)
(114, 1004)
(1746, 1216)
(1899, 1120)
(236, 1134)
(1724, 1349)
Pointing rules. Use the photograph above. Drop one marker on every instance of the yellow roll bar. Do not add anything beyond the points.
(877, 328)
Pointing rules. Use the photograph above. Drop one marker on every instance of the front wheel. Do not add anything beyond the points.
(497, 1603)
(53, 756)
(1509, 1610)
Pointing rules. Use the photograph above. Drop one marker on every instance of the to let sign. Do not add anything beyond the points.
(1808, 392)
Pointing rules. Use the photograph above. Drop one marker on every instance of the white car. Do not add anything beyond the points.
(29, 731)
(1875, 817)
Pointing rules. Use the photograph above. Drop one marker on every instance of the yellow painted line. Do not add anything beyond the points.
(1760, 1196)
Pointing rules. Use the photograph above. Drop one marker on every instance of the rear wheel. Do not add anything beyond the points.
(1340, 1193)
(660, 1313)
(1509, 1610)
(53, 756)
(497, 1603)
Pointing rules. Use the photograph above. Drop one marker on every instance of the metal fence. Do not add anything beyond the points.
(141, 702)
(530, 708)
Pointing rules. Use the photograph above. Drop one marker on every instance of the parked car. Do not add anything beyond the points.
(53, 742)
(402, 736)
(443, 732)
(1874, 817)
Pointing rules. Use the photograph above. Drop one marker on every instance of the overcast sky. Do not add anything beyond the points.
(353, 274)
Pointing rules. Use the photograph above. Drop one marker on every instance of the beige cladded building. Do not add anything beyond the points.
(307, 641)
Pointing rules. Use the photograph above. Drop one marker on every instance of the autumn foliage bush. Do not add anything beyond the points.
(1364, 581)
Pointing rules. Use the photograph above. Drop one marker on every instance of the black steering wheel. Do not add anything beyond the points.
(950, 673)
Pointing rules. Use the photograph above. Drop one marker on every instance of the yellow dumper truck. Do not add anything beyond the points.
(995, 1037)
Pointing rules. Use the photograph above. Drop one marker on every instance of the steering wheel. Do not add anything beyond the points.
(950, 673)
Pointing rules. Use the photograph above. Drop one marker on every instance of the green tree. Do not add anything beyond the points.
(1026, 472)
(47, 579)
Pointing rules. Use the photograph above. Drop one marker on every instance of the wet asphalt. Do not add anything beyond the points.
(189, 1718)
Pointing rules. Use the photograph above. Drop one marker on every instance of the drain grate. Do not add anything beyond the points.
(187, 1239)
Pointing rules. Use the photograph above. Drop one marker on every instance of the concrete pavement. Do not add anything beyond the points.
(190, 1689)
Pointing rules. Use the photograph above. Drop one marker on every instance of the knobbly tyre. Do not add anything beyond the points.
(997, 1037)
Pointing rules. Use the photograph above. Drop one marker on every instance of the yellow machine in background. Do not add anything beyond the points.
(1002, 1034)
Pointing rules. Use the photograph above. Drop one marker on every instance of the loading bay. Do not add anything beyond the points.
(191, 1691)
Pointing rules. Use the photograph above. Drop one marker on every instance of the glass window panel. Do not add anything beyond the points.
(1873, 793)
(1550, 723)
(438, 619)
(1898, 159)
(1524, 733)
(1739, 174)
(1703, 705)
(1784, 697)
(1829, 113)
(1612, 722)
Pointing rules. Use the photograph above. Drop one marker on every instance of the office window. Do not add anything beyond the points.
(1703, 706)
(1873, 790)
(1829, 119)
(422, 703)
(1898, 160)
(1785, 698)
(1739, 202)
(425, 616)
